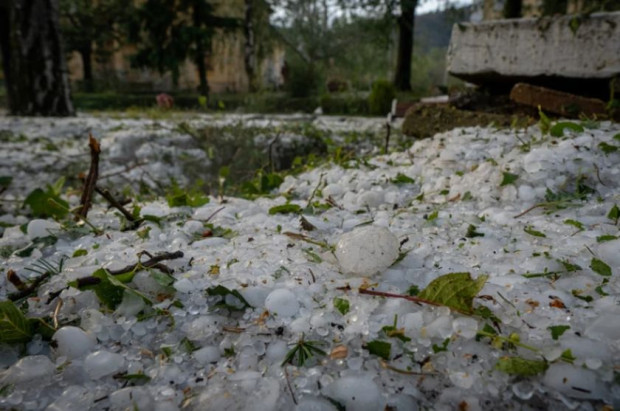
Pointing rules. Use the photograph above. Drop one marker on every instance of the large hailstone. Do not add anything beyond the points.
(367, 250)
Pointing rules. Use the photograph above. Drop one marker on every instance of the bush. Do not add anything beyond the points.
(381, 96)
(304, 81)
(344, 104)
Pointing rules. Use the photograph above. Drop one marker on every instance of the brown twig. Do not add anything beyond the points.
(391, 295)
(529, 209)
(288, 382)
(91, 180)
(387, 138)
(114, 203)
(31, 288)
(213, 214)
(153, 262)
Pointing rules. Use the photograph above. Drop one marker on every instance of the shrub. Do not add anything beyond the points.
(381, 96)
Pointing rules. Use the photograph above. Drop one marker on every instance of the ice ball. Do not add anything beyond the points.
(73, 342)
(282, 302)
(356, 393)
(41, 228)
(367, 250)
(102, 363)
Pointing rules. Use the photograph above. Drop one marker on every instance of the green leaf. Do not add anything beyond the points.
(413, 290)
(285, 209)
(225, 300)
(558, 128)
(37, 243)
(607, 148)
(569, 267)
(442, 347)
(521, 366)
(614, 213)
(544, 123)
(455, 290)
(432, 216)
(533, 232)
(616, 137)
(163, 279)
(471, 232)
(604, 238)
(568, 356)
(402, 179)
(600, 267)
(14, 326)
(574, 223)
(79, 252)
(312, 256)
(379, 348)
(134, 379)
(586, 298)
(342, 305)
(558, 330)
(109, 289)
(39, 202)
(5, 181)
(508, 178)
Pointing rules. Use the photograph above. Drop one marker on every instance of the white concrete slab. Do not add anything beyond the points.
(567, 46)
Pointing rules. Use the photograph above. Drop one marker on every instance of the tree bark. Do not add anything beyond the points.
(406, 22)
(39, 83)
(249, 52)
(86, 52)
(513, 9)
(5, 42)
(199, 59)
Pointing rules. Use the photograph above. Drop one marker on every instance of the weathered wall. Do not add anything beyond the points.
(226, 69)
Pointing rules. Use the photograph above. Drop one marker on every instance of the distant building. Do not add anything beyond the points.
(225, 63)
(493, 9)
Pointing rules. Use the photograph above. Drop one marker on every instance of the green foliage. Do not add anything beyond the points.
(342, 305)
(43, 203)
(303, 350)
(607, 148)
(79, 252)
(402, 179)
(471, 232)
(381, 96)
(558, 330)
(521, 366)
(533, 232)
(600, 267)
(229, 299)
(109, 289)
(305, 79)
(379, 348)
(14, 326)
(179, 197)
(614, 214)
(455, 290)
(441, 348)
(604, 238)
(508, 178)
(557, 130)
(5, 182)
(285, 209)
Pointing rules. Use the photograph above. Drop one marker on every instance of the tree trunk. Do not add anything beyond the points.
(4, 41)
(199, 58)
(249, 53)
(86, 53)
(513, 9)
(39, 82)
(406, 21)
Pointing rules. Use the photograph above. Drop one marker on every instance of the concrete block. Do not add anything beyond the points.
(549, 49)
(557, 102)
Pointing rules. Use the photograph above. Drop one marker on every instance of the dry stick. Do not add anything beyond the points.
(391, 295)
(91, 180)
(154, 262)
(288, 382)
(114, 203)
(31, 288)
(387, 137)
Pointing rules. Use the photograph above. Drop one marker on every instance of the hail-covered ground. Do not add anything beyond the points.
(291, 301)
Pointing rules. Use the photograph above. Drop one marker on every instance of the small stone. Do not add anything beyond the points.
(367, 250)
